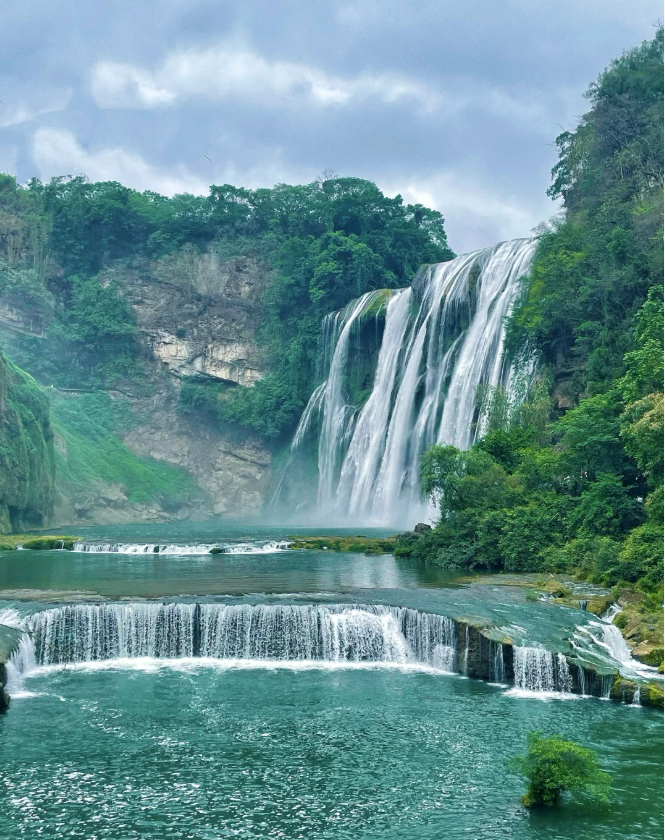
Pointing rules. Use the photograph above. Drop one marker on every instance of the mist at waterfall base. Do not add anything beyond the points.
(437, 345)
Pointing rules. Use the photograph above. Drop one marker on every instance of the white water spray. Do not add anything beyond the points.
(442, 340)
(316, 633)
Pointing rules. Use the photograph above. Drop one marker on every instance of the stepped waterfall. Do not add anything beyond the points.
(310, 633)
(442, 342)
(292, 635)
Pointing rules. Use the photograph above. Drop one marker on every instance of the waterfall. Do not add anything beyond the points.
(581, 676)
(465, 660)
(537, 669)
(84, 633)
(21, 662)
(610, 638)
(331, 633)
(497, 672)
(564, 678)
(337, 415)
(258, 547)
(442, 341)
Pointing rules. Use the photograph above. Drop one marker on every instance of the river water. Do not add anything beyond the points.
(217, 748)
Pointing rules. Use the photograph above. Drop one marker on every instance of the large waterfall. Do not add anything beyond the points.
(442, 342)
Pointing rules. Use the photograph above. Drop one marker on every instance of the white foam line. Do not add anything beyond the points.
(191, 664)
(526, 694)
(9, 617)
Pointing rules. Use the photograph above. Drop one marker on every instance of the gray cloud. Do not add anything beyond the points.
(453, 104)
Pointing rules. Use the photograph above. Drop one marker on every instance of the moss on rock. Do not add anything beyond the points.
(653, 695)
(27, 462)
(358, 544)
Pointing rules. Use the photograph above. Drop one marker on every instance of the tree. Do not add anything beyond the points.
(553, 766)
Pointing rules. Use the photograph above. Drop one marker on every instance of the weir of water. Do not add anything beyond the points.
(344, 634)
(264, 547)
(335, 633)
(537, 669)
(442, 342)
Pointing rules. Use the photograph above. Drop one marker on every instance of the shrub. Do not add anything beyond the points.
(553, 766)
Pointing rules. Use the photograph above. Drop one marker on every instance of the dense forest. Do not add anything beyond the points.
(579, 491)
(322, 243)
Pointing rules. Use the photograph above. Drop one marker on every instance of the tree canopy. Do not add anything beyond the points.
(553, 766)
(322, 244)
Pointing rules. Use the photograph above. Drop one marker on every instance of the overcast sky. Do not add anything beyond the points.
(452, 103)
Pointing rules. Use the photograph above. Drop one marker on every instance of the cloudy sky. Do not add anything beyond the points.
(452, 103)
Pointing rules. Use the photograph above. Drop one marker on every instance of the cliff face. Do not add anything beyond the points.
(130, 454)
(27, 466)
(197, 315)
(232, 469)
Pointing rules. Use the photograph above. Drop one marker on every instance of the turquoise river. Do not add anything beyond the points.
(114, 733)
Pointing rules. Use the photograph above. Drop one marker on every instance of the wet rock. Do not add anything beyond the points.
(422, 528)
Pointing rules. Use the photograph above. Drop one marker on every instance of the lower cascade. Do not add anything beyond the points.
(305, 633)
(334, 633)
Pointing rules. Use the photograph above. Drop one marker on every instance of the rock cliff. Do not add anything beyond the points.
(196, 316)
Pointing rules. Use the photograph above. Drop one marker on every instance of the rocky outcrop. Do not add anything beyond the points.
(107, 504)
(483, 654)
(9, 639)
(228, 361)
(197, 314)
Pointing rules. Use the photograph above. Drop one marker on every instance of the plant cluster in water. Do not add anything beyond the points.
(553, 766)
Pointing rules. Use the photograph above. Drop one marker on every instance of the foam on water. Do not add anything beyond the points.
(11, 617)
(148, 549)
(315, 633)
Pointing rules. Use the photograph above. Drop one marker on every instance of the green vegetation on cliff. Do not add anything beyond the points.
(90, 454)
(27, 465)
(64, 244)
(580, 493)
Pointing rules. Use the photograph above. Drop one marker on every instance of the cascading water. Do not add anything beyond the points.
(442, 341)
(344, 635)
(537, 669)
(330, 633)
(265, 547)
(497, 670)
(604, 637)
